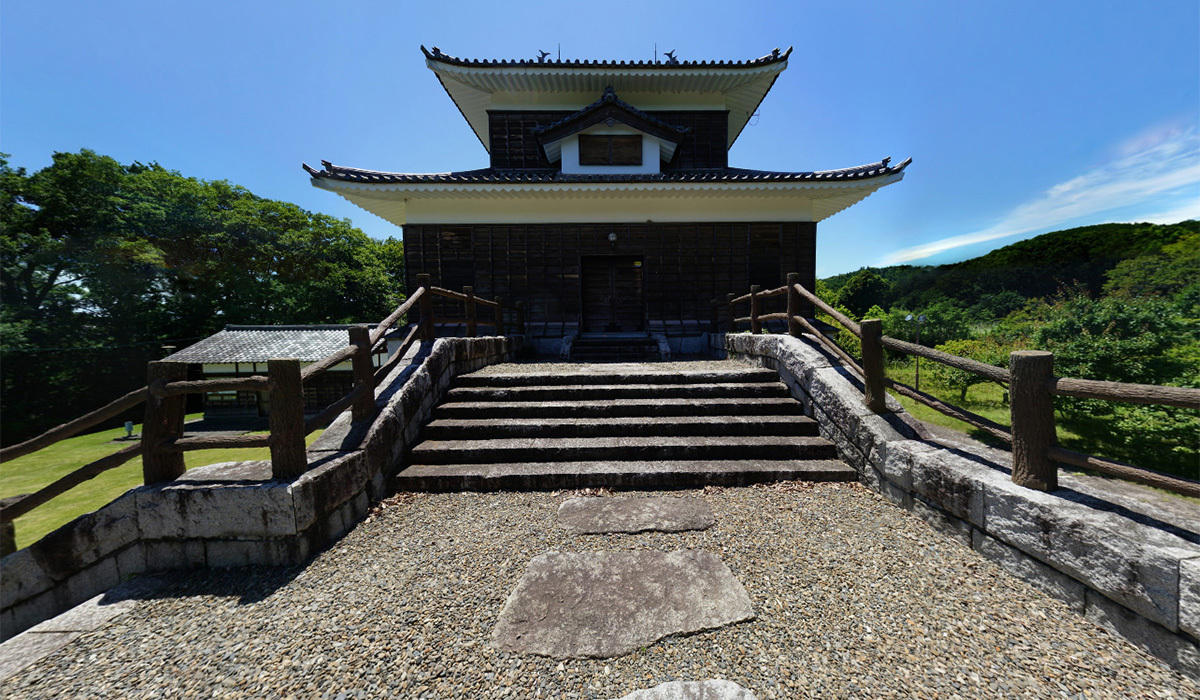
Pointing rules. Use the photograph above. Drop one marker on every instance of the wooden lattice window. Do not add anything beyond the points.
(610, 150)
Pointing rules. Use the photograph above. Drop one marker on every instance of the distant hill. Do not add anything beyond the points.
(1036, 267)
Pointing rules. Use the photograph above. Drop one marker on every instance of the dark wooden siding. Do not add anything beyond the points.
(514, 145)
(685, 265)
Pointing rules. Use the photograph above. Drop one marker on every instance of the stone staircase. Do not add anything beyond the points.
(620, 425)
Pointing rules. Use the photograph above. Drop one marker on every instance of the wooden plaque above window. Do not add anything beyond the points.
(610, 150)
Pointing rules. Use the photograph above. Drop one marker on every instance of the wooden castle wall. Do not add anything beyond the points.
(514, 145)
(685, 265)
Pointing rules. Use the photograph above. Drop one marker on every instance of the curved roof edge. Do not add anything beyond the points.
(437, 55)
(329, 171)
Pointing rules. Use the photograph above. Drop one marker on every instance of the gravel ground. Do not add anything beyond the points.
(855, 599)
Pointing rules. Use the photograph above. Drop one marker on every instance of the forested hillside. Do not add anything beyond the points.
(103, 264)
(1117, 302)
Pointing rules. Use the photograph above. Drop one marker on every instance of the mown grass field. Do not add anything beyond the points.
(31, 472)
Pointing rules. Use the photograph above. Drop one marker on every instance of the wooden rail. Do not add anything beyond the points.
(1031, 384)
(163, 443)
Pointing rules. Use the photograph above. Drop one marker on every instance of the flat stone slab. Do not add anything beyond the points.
(589, 516)
(605, 604)
(693, 690)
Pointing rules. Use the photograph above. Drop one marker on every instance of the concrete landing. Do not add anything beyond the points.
(605, 604)
(693, 690)
(587, 516)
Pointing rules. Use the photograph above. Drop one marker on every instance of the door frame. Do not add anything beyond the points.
(637, 257)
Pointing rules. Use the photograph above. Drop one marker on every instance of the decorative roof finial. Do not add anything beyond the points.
(542, 56)
(886, 161)
(775, 52)
(671, 57)
(437, 52)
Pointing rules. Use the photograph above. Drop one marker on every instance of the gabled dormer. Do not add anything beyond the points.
(609, 136)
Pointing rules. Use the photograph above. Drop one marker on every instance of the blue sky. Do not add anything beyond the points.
(1021, 117)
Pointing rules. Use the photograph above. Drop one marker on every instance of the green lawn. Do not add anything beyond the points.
(31, 472)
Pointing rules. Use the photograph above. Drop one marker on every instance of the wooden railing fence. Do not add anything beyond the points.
(1030, 378)
(163, 443)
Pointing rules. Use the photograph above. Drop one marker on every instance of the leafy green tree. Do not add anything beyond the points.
(989, 350)
(862, 291)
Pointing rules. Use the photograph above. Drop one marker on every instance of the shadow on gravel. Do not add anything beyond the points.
(252, 584)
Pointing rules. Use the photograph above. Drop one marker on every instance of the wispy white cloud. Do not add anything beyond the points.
(1160, 163)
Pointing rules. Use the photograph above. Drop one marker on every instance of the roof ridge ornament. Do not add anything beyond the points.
(671, 60)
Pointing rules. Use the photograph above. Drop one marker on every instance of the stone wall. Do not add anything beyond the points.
(1137, 578)
(234, 514)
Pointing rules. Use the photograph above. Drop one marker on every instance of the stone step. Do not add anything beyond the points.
(621, 448)
(770, 406)
(548, 476)
(608, 392)
(613, 375)
(642, 426)
(616, 357)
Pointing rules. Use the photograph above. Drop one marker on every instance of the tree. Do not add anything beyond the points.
(103, 263)
(862, 291)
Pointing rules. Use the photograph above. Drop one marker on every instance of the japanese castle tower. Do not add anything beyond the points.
(608, 204)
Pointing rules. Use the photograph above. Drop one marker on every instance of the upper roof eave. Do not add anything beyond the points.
(470, 83)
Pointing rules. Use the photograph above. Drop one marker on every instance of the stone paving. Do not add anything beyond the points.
(853, 598)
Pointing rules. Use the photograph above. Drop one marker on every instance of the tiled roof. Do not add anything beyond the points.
(437, 55)
(609, 102)
(491, 175)
(262, 343)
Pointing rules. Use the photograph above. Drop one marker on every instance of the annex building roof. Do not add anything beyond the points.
(263, 343)
(473, 83)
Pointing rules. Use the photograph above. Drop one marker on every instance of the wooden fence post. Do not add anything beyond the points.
(499, 330)
(8, 538)
(872, 364)
(364, 374)
(425, 305)
(286, 420)
(714, 323)
(470, 307)
(520, 318)
(793, 305)
(1031, 403)
(732, 312)
(164, 420)
(755, 309)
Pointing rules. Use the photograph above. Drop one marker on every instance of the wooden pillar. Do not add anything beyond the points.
(732, 311)
(288, 458)
(499, 330)
(793, 305)
(164, 421)
(714, 323)
(364, 373)
(755, 309)
(520, 318)
(1032, 409)
(872, 364)
(470, 307)
(425, 307)
(8, 538)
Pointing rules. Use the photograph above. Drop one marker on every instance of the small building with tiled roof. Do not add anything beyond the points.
(243, 351)
(608, 204)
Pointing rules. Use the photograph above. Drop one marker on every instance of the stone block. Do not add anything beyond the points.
(1173, 649)
(88, 538)
(334, 436)
(329, 483)
(30, 648)
(21, 577)
(1131, 564)
(165, 555)
(953, 482)
(188, 510)
(131, 560)
(32, 611)
(92, 581)
(1032, 571)
(1189, 596)
(941, 521)
(237, 553)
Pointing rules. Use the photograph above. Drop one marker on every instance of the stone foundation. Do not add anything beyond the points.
(234, 514)
(1125, 574)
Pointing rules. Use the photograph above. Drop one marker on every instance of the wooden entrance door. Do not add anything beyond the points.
(612, 294)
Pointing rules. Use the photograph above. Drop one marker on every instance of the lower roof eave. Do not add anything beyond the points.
(621, 201)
